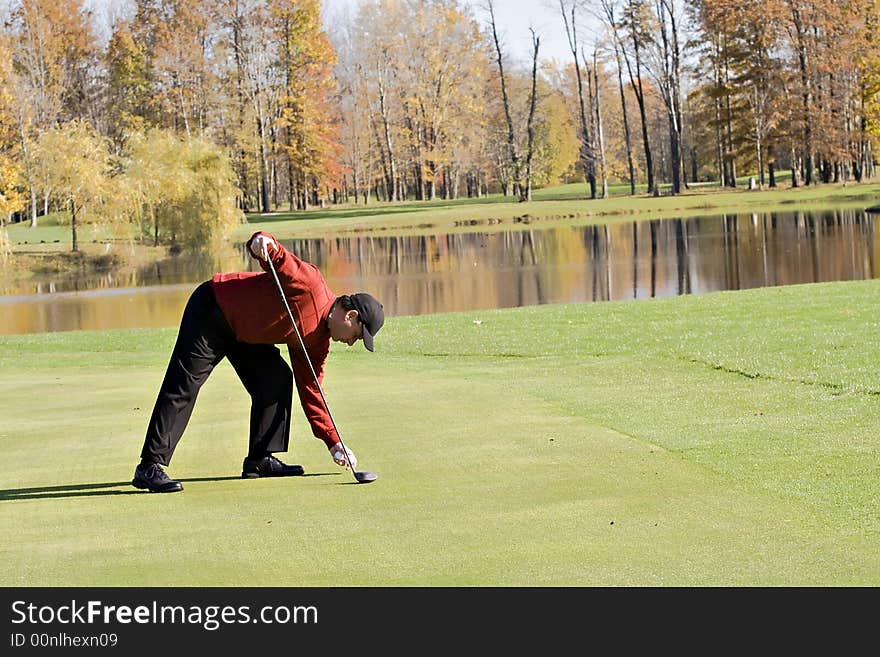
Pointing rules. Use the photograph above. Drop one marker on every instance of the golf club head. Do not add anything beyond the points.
(365, 477)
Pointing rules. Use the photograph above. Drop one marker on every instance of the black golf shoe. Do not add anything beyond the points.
(153, 478)
(268, 466)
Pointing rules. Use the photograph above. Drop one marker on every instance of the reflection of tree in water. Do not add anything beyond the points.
(185, 267)
(418, 274)
(682, 257)
(427, 273)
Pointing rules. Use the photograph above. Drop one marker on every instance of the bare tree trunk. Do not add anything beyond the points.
(771, 168)
(674, 96)
(627, 138)
(75, 245)
(862, 150)
(729, 158)
(533, 101)
(291, 185)
(273, 167)
(635, 77)
(33, 207)
(355, 175)
(368, 176)
(511, 135)
(383, 157)
(719, 136)
(179, 88)
(667, 79)
(389, 144)
(806, 94)
(758, 145)
(241, 164)
(28, 168)
(587, 156)
(263, 161)
(597, 116)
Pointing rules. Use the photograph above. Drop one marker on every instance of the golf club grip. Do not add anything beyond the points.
(309, 362)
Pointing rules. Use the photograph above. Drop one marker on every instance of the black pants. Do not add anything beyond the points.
(204, 339)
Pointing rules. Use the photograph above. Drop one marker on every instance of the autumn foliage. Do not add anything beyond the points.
(401, 100)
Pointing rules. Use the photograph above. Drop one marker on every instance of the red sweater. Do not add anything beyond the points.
(251, 305)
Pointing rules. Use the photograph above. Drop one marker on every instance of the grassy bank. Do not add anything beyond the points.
(44, 251)
(721, 439)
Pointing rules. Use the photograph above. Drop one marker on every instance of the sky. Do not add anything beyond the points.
(513, 19)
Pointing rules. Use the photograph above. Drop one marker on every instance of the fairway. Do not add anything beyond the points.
(727, 439)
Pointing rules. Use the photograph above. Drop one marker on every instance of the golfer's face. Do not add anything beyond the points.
(347, 328)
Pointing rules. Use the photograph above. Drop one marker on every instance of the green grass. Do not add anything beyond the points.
(722, 439)
(52, 232)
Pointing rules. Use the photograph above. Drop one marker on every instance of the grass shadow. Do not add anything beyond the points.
(106, 488)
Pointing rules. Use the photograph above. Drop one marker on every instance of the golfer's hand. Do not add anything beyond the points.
(261, 246)
(339, 457)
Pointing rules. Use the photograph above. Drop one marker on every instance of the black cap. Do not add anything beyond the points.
(371, 315)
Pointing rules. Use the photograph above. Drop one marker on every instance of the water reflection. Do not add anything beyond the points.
(175, 270)
(423, 274)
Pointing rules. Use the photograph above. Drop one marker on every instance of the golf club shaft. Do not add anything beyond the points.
(309, 361)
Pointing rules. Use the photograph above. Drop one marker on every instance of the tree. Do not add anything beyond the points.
(664, 63)
(556, 141)
(377, 39)
(608, 16)
(719, 25)
(154, 178)
(758, 77)
(799, 32)
(178, 38)
(867, 102)
(422, 67)
(181, 190)
(12, 182)
(632, 29)
(53, 54)
(588, 155)
(307, 121)
(530, 124)
(512, 149)
(235, 110)
(354, 108)
(12, 199)
(75, 161)
(259, 83)
(594, 85)
(128, 86)
(443, 70)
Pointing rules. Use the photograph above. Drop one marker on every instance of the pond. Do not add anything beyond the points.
(421, 274)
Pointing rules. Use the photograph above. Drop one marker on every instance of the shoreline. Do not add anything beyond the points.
(45, 250)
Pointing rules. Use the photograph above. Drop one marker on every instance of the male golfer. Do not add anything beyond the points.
(241, 316)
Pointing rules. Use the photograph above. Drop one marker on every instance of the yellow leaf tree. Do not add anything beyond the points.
(75, 163)
(182, 190)
(306, 59)
(12, 198)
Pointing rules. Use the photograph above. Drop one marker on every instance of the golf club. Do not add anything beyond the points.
(360, 477)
